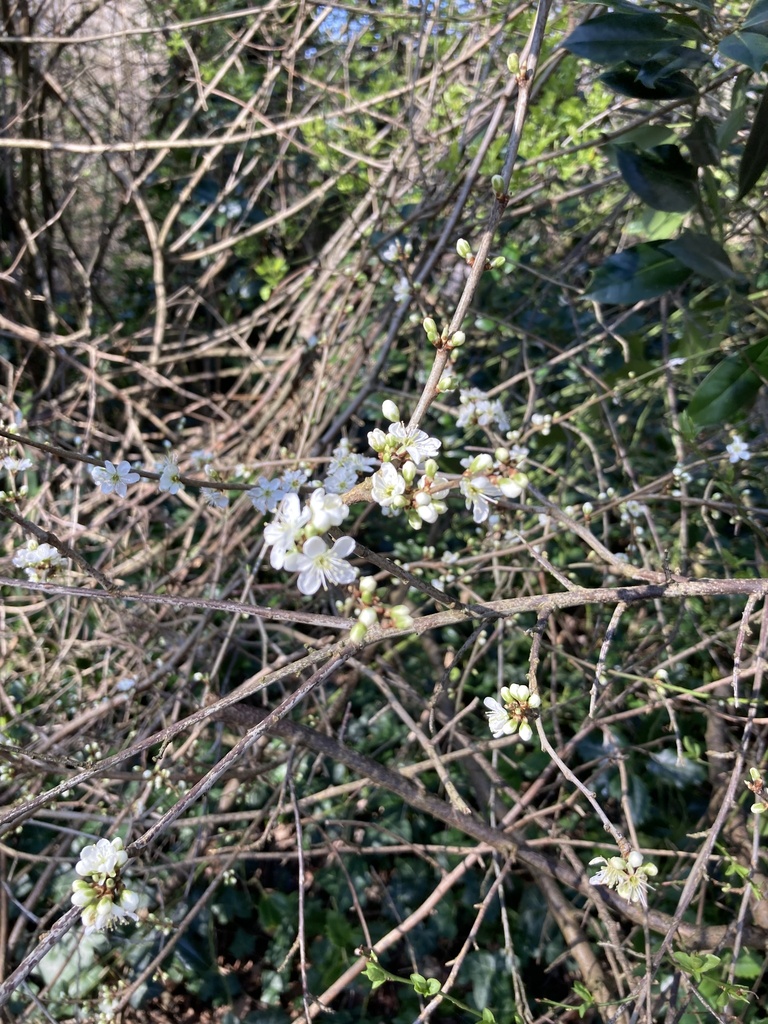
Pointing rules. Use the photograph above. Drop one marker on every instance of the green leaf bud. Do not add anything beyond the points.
(497, 184)
(463, 248)
(430, 469)
(429, 326)
(513, 64)
(458, 339)
(498, 262)
(446, 384)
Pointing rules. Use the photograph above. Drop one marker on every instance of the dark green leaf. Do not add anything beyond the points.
(701, 254)
(755, 158)
(748, 48)
(630, 81)
(662, 178)
(702, 142)
(727, 130)
(641, 272)
(613, 38)
(728, 392)
(757, 19)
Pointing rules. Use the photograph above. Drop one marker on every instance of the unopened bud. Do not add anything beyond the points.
(430, 469)
(458, 339)
(367, 585)
(357, 633)
(368, 617)
(446, 384)
(401, 616)
(497, 184)
(463, 248)
(480, 464)
(390, 411)
(498, 262)
(409, 472)
(430, 328)
(414, 519)
(513, 64)
(502, 455)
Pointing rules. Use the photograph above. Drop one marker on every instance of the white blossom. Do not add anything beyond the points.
(38, 560)
(284, 530)
(326, 510)
(266, 494)
(388, 485)
(629, 877)
(170, 480)
(478, 491)
(318, 565)
(418, 445)
(738, 450)
(16, 465)
(114, 478)
(511, 714)
(102, 860)
(402, 290)
(215, 498)
(476, 408)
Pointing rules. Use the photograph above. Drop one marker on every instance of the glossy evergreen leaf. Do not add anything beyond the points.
(640, 272)
(755, 158)
(662, 178)
(630, 81)
(729, 391)
(702, 142)
(701, 254)
(757, 19)
(750, 48)
(613, 38)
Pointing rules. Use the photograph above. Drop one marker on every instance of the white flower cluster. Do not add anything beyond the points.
(486, 480)
(511, 714)
(294, 537)
(100, 891)
(628, 876)
(39, 561)
(477, 409)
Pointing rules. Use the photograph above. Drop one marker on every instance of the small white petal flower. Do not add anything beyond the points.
(283, 532)
(318, 565)
(388, 485)
(326, 510)
(102, 859)
(266, 494)
(16, 465)
(214, 498)
(738, 450)
(114, 478)
(418, 445)
(478, 491)
(170, 480)
(38, 561)
(499, 720)
(402, 290)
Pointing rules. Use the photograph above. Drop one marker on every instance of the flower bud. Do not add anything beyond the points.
(502, 455)
(367, 585)
(446, 384)
(368, 617)
(409, 472)
(401, 616)
(390, 411)
(498, 262)
(458, 339)
(463, 248)
(430, 327)
(480, 464)
(357, 633)
(414, 519)
(497, 184)
(635, 859)
(513, 64)
(430, 469)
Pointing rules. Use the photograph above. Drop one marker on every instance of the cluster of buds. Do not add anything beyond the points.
(39, 561)
(374, 611)
(464, 249)
(486, 479)
(627, 875)
(757, 786)
(100, 890)
(442, 340)
(513, 714)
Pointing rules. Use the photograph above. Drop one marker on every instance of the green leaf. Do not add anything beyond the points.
(748, 48)
(729, 390)
(702, 142)
(613, 38)
(757, 19)
(487, 1017)
(701, 254)
(629, 80)
(755, 158)
(640, 272)
(662, 178)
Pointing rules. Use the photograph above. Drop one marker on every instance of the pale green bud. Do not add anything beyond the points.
(446, 384)
(458, 339)
(367, 585)
(498, 262)
(497, 184)
(502, 455)
(430, 469)
(357, 633)
(513, 64)
(430, 327)
(390, 411)
(587, 508)
(369, 617)
(463, 248)
(409, 472)
(414, 519)
(480, 464)
(401, 616)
